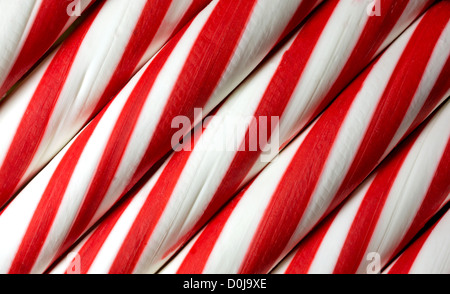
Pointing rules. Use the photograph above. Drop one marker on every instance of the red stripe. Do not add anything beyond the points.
(295, 189)
(38, 113)
(366, 219)
(117, 143)
(391, 110)
(47, 26)
(405, 262)
(45, 213)
(434, 199)
(375, 32)
(144, 32)
(308, 247)
(273, 103)
(197, 257)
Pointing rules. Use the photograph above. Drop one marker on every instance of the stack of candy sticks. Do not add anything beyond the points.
(195, 182)
(319, 169)
(197, 68)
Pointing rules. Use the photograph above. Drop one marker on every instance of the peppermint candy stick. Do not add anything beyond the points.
(163, 216)
(318, 170)
(385, 212)
(199, 67)
(430, 254)
(79, 78)
(28, 29)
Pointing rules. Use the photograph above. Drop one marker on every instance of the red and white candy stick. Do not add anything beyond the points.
(79, 78)
(318, 170)
(28, 28)
(430, 254)
(298, 81)
(198, 67)
(385, 212)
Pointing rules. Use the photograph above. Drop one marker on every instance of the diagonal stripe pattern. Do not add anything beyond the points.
(331, 158)
(294, 84)
(134, 130)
